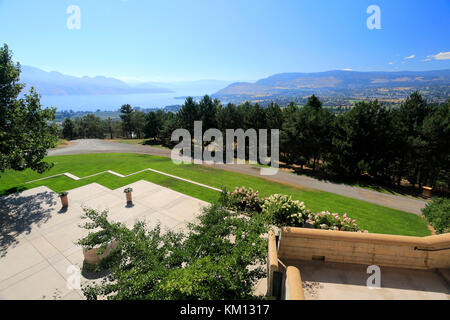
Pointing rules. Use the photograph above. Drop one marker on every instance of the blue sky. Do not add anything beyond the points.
(172, 40)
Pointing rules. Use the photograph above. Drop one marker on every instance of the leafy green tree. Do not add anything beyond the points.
(26, 130)
(154, 124)
(220, 257)
(80, 128)
(117, 129)
(87, 127)
(108, 124)
(93, 127)
(437, 213)
(138, 123)
(68, 129)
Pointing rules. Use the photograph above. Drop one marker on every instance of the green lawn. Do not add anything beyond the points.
(375, 218)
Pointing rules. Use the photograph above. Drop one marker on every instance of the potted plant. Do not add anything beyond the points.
(426, 191)
(97, 246)
(64, 199)
(127, 192)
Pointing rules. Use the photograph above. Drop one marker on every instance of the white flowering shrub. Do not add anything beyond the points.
(332, 221)
(244, 199)
(282, 210)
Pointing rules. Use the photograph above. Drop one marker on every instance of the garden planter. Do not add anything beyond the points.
(427, 192)
(127, 192)
(64, 199)
(91, 256)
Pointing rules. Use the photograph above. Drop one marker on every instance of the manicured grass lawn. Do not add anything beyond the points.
(375, 218)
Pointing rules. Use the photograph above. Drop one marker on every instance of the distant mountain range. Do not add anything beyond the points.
(100, 92)
(55, 83)
(199, 87)
(333, 83)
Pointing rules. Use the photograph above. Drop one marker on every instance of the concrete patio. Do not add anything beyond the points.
(37, 239)
(345, 281)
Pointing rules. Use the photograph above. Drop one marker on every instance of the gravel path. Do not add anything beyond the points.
(391, 201)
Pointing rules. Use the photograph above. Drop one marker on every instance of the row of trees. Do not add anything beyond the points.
(411, 142)
(390, 145)
(131, 125)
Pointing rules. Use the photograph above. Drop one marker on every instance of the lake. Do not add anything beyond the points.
(114, 102)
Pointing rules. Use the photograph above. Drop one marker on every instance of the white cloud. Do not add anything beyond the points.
(410, 57)
(347, 69)
(390, 63)
(427, 59)
(440, 56)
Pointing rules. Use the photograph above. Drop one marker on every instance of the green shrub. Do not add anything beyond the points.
(281, 210)
(221, 257)
(437, 213)
(332, 221)
(99, 238)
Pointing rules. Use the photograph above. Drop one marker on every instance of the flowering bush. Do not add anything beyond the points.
(243, 199)
(332, 221)
(283, 210)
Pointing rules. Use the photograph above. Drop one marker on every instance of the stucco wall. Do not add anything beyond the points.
(378, 249)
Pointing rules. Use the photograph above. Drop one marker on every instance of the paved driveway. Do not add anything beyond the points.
(104, 146)
(37, 240)
(391, 201)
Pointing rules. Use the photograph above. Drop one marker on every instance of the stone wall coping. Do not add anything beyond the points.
(434, 241)
(294, 288)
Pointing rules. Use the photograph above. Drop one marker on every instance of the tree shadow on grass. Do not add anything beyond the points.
(12, 190)
(150, 142)
(18, 214)
(362, 182)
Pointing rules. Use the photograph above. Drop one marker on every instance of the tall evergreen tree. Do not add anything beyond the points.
(188, 114)
(126, 115)
(412, 113)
